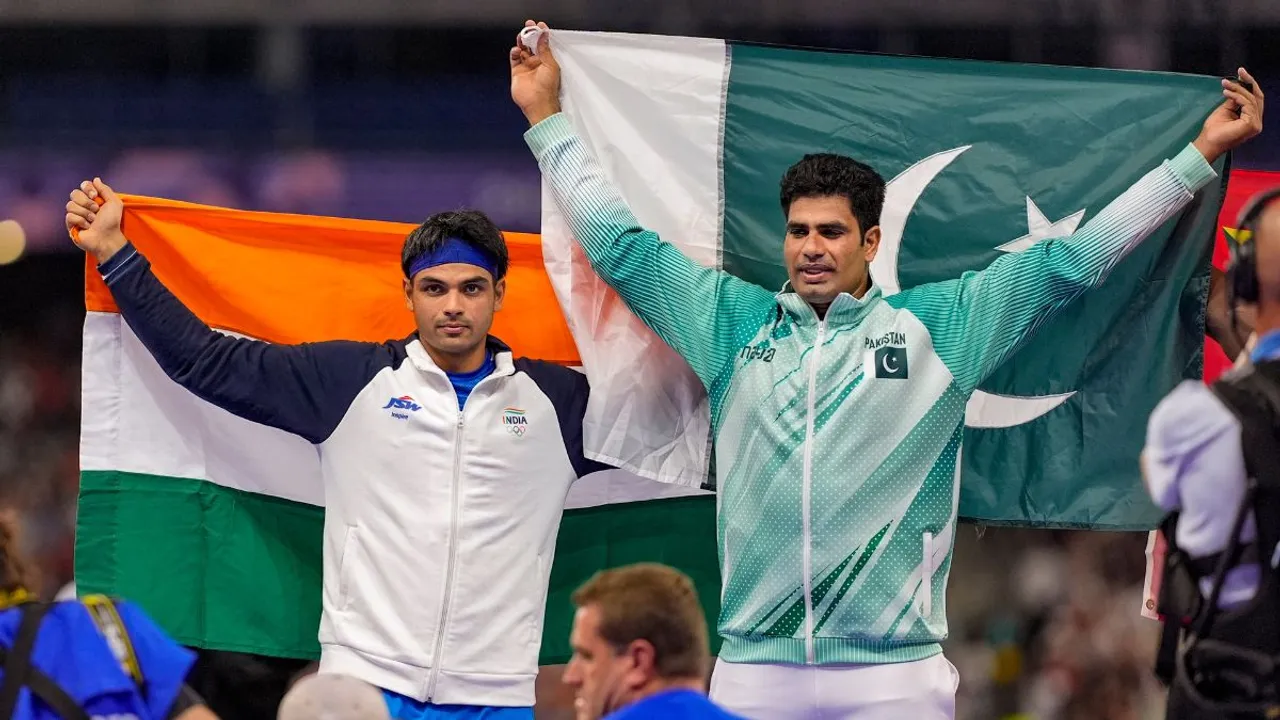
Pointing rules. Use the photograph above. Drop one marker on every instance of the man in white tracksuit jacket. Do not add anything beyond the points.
(445, 460)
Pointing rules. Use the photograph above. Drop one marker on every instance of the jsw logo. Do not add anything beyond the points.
(402, 403)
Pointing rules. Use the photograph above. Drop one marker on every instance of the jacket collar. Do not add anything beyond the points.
(502, 359)
(845, 309)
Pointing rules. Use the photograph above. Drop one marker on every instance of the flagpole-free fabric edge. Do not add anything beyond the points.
(959, 61)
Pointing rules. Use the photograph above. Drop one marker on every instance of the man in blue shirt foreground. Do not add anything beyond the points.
(640, 647)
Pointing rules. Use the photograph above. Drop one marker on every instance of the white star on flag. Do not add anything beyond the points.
(1040, 228)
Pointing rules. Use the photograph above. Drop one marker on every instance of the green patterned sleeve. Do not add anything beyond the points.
(701, 312)
(981, 318)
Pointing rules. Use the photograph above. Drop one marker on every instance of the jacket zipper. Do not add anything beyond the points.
(453, 551)
(806, 494)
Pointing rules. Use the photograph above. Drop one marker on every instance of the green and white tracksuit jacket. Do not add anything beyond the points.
(838, 439)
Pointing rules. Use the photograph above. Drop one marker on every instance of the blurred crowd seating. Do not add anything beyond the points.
(39, 432)
(405, 187)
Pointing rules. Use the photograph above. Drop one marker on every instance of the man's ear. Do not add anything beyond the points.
(408, 294)
(499, 293)
(643, 664)
(871, 243)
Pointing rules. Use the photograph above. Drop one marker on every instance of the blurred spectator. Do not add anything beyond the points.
(333, 697)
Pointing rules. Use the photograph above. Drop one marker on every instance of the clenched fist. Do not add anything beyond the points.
(535, 77)
(93, 219)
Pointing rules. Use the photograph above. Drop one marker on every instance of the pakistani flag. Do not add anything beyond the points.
(981, 159)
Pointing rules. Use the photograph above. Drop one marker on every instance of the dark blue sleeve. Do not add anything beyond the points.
(303, 389)
(568, 391)
(164, 663)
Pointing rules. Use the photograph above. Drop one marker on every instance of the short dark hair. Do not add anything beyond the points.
(470, 226)
(828, 175)
(653, 602)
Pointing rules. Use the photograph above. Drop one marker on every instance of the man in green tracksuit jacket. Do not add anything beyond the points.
(838, 413)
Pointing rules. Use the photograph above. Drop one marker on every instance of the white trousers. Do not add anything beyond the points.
(921, 690)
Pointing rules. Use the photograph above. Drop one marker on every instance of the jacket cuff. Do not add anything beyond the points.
(125, 258)
(1192, 169)
(544, 135)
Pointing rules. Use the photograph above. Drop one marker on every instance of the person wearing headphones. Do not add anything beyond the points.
(1212, 460)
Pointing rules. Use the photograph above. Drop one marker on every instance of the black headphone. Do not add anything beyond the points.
(1242, 267)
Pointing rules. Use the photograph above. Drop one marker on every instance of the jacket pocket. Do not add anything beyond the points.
(538, 616)
(345, 565)
(926, 577)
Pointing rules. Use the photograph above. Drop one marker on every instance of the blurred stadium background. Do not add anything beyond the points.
(391, 109)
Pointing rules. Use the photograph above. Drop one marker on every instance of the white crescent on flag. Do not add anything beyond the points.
(985, 410)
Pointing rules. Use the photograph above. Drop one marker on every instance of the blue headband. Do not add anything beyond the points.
(453, 250)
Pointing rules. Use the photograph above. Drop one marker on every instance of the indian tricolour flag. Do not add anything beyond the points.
(213, 523)
(981, 159)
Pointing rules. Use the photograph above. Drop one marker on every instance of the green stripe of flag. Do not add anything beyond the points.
(231, 570)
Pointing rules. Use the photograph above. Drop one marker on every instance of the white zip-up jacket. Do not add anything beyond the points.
(440, 523)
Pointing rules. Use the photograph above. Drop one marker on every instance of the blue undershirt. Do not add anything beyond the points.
(403, 708)
(464, 383)
(673, 705)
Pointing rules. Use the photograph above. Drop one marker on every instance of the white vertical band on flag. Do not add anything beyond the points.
(650, 108)
(137, 420)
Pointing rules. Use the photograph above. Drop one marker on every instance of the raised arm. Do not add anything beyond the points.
(302, 389)
(981, 318)
(1230, 331)
(699, 311)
